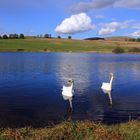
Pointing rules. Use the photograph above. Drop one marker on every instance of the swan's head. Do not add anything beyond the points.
(111, 74)
(71, 81)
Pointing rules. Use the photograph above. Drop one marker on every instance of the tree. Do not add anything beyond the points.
(21, 36)
(0, 37)
(47, 36)
(138, 39)
(59, 37)
(5, 37)
(13, 36)
(69, 37)
(40, 35)
(132, 39)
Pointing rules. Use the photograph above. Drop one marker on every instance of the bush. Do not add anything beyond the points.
(45, 50)
(135, 50)
(20, 50)
(118, 50)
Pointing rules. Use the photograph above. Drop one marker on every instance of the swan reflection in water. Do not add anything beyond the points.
(70, 102)
(108, 92)
(70, 111)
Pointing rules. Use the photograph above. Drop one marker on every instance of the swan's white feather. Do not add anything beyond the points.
(105, 86)
(67, 91)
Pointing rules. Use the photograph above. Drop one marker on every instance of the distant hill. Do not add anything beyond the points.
(119, 38)
(94, 38)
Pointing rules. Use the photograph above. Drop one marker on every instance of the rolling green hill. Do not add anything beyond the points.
(63, 45)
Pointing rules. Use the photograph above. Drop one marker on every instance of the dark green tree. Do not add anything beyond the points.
(132, 39)
(69, 37)
(13, 36)
(59, 36)
(138, 39)
(21, 36)
(47, 36)
(5, 37)
(0, 37)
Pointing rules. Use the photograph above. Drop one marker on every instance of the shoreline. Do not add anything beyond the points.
(82, 130)
(89, 52)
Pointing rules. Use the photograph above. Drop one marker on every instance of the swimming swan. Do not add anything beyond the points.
(68, 89)
(108, 86)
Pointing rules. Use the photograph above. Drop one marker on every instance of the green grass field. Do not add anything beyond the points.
(62, 45)
(75, 131)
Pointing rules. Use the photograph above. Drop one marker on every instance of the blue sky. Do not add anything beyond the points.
(78, 18)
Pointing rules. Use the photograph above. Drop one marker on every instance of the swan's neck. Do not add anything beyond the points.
(111, 80)
(71, 86)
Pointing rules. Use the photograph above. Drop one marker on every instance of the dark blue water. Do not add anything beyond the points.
(31, 83)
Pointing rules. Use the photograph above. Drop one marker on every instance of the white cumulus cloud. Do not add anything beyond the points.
(109, 28)
(112, 27)
(136, 33)
(75, 24)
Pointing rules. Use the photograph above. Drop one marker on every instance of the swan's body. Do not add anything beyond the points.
(107, 86)
(68, 89)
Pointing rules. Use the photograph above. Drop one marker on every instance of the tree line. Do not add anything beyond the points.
(50, 36)
(12, 36)
(21, 36)
(135, 39)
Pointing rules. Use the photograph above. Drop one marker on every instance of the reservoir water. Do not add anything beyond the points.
(31, 86)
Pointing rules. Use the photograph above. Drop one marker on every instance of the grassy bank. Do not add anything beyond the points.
(76, 131)
(62, 45)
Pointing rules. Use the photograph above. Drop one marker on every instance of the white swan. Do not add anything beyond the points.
(68, 89)
(107, 86)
